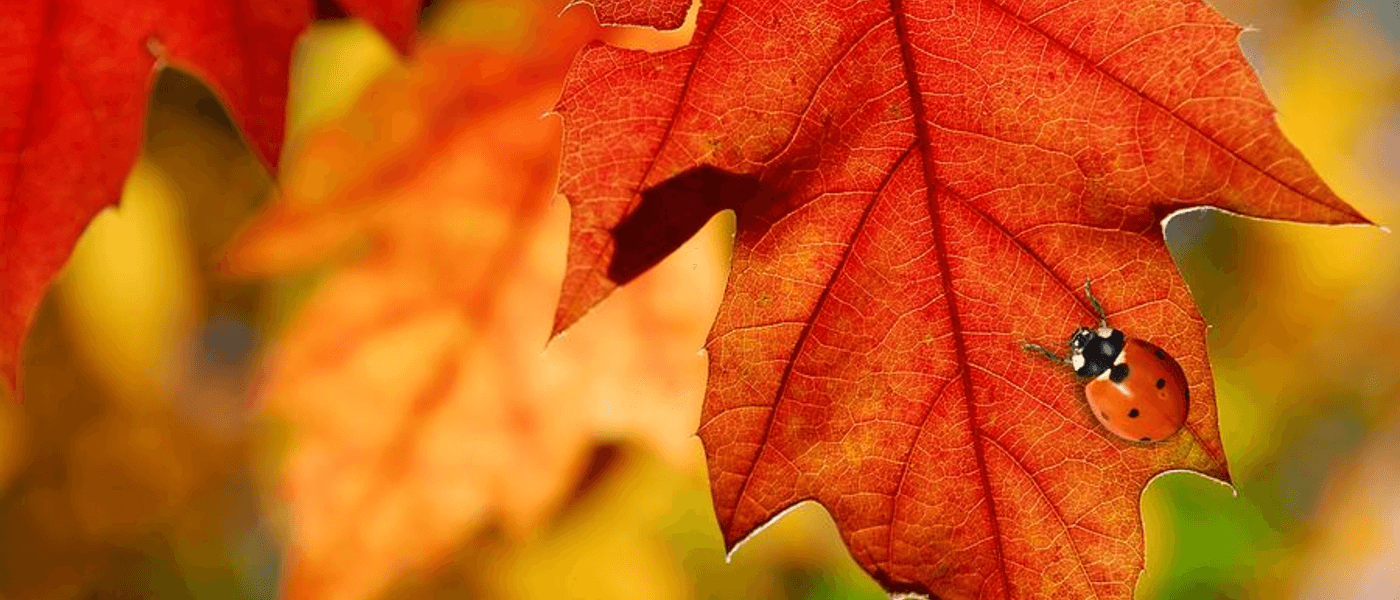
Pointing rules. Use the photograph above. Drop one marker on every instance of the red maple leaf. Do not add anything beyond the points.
(74, 78)
(922, 186)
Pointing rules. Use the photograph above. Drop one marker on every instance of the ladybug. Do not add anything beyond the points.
(1136, 390)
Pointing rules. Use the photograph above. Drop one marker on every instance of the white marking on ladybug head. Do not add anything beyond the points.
(1105, 331)
(1080, 340)
(1077, 360)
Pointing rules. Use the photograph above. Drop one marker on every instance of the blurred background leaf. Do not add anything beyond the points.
(139, 465)
(422, 404)
(127, 474)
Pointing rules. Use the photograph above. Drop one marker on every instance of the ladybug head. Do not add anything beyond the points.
(1093, 351)
(1081, 339)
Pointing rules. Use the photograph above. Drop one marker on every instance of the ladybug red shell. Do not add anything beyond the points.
(1143, 397)
(1136, 390)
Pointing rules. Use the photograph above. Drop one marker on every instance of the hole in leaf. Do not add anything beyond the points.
(670, 214)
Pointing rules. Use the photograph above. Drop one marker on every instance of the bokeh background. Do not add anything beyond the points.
(141, 466)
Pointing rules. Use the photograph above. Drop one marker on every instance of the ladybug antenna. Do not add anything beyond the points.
(1048, 354)
(1098, 308)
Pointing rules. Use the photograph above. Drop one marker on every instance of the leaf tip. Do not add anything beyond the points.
(12, 336)
(565, 315)
(1350, 217)
(733, 541)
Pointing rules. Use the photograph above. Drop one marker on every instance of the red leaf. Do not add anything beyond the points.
(74, 77)
(662, 14)
(921, 187)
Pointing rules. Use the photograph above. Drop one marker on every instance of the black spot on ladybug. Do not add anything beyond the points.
(1146, 439)
(1118, 373)
(1161, 383)
(1160, 354)
(1133, 413)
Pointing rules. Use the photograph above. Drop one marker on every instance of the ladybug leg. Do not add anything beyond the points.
(1048, 354)
(1098, 308)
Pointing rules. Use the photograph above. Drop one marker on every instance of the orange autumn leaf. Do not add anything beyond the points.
(921, 188)
(422, 401)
